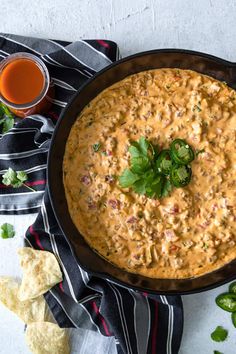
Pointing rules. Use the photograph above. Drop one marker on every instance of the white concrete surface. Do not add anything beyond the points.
(136, 25)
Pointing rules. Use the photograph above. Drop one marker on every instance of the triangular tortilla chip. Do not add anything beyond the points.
(47, 338)
(28, 311)
(41, 272)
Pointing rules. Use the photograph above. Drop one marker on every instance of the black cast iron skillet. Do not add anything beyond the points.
(87, 258)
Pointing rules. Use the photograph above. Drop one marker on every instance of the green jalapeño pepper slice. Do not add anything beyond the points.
(232, 287)
(180, 176)
(181, 152)
(233, 317)
(164, 162)
(227, 302)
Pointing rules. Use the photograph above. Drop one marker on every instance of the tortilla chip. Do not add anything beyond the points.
(28, 311)
(41, 272)
(46, 337)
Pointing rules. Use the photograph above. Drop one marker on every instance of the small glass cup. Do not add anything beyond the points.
(42, 102)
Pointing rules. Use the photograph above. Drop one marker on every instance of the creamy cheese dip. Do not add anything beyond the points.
(190, 232)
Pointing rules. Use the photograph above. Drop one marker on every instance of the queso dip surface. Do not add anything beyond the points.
(193, 230)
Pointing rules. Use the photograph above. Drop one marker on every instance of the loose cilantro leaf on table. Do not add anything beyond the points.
(219, 334)
(7, 231)
(15, 179)
(6, 118)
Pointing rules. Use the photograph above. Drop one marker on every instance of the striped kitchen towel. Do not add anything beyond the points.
(140, 323)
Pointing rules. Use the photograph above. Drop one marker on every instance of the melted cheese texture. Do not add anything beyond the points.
(189, 233)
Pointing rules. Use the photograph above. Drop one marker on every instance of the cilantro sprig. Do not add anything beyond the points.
(141, 175)
(219, 334)
(15, 179)
(150, 171)
(6, 118)
(7, 231)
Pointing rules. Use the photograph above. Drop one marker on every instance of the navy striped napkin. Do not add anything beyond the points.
(141, 323)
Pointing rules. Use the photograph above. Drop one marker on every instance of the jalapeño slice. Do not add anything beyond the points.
(164, 162)
(227, 302)
(232, 287)
(233, 317)
(181, 152)
(180, 175)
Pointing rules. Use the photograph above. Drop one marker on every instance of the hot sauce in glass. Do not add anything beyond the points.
(25, 84)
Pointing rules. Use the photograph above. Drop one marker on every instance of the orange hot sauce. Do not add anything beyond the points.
(21, 81)
(25, 84)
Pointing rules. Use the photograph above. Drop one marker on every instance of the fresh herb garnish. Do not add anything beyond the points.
(217, 352)
(219, 334)
(167, 188)
(15, 179)
(141, 153)
(7, 231)
(128, 178)
(200, 152)
(150, 173)
(197, 108)
(96, 147)
(141, 176)
(6, 118)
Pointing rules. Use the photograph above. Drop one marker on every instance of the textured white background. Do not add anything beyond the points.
(136, 25)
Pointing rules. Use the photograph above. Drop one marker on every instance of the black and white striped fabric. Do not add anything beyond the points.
(140, 322)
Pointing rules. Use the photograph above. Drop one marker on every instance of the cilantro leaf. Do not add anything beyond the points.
(7, 231)
(141, 153)
(7, 124)
(217, 352)
(127, 178)
(21, 176)
(5, 110)
(167, 188)
(15, 179)
(6, 118)
(134, 150)
(96, 147)
(9, 178)
(140, 186)
(219, 334)
(153, 190)
(144, 145)
(139, 148)
(140, 164)
(197, 108)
